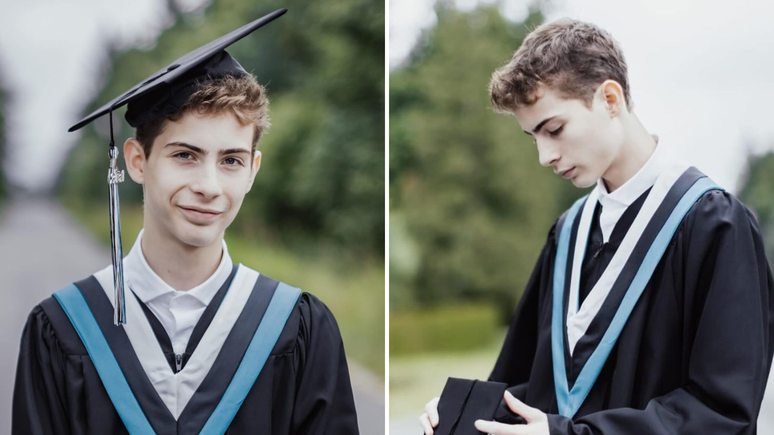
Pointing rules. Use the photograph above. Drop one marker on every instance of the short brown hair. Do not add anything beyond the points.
(242, 96)
(570, 56)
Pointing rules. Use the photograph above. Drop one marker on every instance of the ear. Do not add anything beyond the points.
(613, 96)
(134, 156)
(254, 169)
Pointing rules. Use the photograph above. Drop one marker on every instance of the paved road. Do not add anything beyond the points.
(41, 250)
(766, 417)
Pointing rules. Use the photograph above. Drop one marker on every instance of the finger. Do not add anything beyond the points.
(425, 423)
(432, 411)
(527, 412)
(495, 428)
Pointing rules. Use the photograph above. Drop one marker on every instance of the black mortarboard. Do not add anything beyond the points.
(162, 94)
(464, 401)
(153, 93)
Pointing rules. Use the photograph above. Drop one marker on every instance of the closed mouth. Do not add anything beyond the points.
(203, 211)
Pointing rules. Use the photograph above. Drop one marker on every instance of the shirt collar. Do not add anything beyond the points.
(633, 188)
(147, 285)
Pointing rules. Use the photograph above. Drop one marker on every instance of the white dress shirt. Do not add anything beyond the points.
(615, 203)
(178, 311)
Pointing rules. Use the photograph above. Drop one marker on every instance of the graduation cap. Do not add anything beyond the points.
(464, 401)
(159, 95)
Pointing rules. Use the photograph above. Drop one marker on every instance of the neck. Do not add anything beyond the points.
(181, 266)
(636, 149)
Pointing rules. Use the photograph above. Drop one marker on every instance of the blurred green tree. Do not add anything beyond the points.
(3, 137)
(757, 194)
(322, 176)
(470, 205)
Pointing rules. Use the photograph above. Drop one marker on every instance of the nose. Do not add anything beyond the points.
(547, 154)
(207, 182)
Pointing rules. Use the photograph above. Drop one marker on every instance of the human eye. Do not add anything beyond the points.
(233, 161)
(555, 133)
(183, 155)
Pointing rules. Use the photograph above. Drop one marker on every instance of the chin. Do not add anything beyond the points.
(583, 182)
(198, 236)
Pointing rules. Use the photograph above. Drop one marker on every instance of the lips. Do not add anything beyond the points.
(200, 214)
(568, 173)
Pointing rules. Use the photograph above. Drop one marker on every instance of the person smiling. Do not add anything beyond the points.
(651, 307)
(197, 344)
(194, 181)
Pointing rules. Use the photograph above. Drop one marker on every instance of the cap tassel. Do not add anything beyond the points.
(114, 177)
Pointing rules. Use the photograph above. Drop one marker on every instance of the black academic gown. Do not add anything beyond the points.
(693, 357)
(304, 387)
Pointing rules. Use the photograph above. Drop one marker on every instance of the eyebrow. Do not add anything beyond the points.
(539, 126)
(203, 152)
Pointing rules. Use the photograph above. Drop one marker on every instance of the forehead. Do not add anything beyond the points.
(548, 103)
(209, 132)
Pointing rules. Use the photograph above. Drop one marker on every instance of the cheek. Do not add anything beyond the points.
(597, 142)
(236, 191)
(581, 143)
(165, 180)
(234, 186)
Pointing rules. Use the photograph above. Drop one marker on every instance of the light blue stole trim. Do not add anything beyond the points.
(269, 330)
(80, 315)
(570, 401)
(557, 315)
(277, 313)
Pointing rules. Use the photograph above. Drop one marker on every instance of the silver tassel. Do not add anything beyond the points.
(116, 176)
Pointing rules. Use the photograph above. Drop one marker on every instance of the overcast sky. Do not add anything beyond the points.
(700, 71)
(53, 60)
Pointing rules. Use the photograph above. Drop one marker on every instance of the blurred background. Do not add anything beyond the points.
(470, 207)
(315, 215)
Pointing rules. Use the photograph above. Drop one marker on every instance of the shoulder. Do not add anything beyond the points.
(48, 324)
(308, 307)
(315, 316)
(318, 331)
(719, 210)
(311, 321)
(719, 222)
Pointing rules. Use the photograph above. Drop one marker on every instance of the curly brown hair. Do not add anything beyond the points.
(570, 56)
(243, 96)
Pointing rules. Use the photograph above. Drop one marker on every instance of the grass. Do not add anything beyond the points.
(448, 328)
(415, 379)
(353, 292)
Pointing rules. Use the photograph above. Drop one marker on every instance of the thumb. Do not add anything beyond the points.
(527, 412)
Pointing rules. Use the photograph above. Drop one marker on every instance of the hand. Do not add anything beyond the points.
(429, 419)
(537, 421)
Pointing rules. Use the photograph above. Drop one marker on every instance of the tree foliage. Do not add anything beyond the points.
(757, 194)
(322, 176)
(470, 204)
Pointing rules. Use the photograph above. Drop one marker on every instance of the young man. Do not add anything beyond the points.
(208, 346)
(650, 309)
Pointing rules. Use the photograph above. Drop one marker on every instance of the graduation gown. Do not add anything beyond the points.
(694, 355)
(303, 388)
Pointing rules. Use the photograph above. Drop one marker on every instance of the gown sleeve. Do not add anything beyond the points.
(324, 403)
(38, 408)
(728, 296)
(514, 364)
